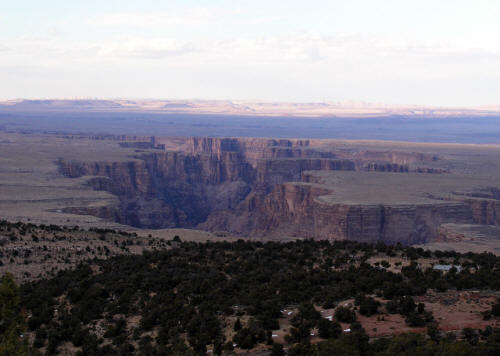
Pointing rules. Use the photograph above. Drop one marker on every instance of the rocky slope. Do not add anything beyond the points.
(294, 209)
(260, 187)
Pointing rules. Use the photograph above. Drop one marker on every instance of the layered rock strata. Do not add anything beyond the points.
(258, 187)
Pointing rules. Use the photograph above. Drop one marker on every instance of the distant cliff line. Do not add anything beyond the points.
(249, 108)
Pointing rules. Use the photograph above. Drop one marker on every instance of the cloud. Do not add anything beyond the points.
(231, 47)
(156, 48)
(167, 36)
(178, 17)
(297, 48)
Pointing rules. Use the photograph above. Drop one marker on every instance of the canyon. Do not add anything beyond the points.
(286, 188)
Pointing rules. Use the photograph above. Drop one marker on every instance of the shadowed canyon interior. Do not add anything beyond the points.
(323, 189)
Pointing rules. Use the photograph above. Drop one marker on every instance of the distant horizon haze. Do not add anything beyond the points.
(247, 119)
(343, 103)
(428, 53)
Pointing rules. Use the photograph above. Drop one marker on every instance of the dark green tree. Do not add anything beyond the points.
(277, 350)
(12, 323)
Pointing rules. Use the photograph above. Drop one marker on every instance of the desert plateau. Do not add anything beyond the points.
(253, 178)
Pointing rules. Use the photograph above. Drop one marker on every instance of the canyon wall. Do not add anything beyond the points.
(168, 189)
(297, 210)
(257, 187)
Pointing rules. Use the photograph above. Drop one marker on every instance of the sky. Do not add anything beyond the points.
(396, 52)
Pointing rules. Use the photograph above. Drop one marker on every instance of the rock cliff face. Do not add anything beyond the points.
(169, 189)
(261, 187)
(293, 209)
(182, 188)
(485, 212)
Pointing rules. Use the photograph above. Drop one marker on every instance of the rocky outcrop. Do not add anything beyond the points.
(264, 187)
(475, 233)
(297, 210)
(271, 172)
(168, 189)
(182, 189)
(396, 167)
(485, 212)
(395, 157)
(253, 150)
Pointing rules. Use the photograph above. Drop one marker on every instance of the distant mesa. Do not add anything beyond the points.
(61, 104)
(321, 109)
(177, 106)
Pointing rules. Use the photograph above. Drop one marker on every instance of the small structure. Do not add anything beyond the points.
(446, 268)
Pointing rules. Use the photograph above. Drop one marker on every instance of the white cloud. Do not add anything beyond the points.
(180, 17)
(150, 48)
(293, 48)
(293, 66)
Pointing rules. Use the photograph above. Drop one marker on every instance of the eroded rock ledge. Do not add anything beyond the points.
(267, 187)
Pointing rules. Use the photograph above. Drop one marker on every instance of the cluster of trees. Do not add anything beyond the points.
(186, 293)
(12, 322)
(416, 315)
(28, 244)
(25, 228)
(494, 312)
(357, 343)
(367, 305)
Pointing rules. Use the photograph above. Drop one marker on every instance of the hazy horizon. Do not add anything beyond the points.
(439, 54)
(345, 103)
